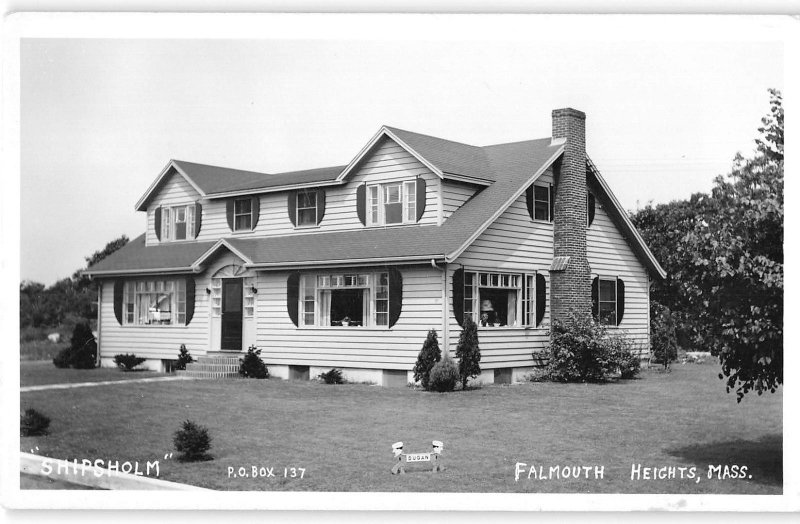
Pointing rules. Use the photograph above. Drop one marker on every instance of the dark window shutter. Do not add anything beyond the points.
(255, 211)
(361, 203)
(119, 287)
(291, 206)
(395, 295)
(157, 217)
(552, 201)
(529, 200)
(320, 205)
(458, 296)
(591, 204)
(620, 300)
(595, 302)
(229, 213)
(190, 290)
(541, 297)
(198, 218)
(293, 295)
(421, 197)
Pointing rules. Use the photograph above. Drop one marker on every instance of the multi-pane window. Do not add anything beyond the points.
(541, 202)
(307, 208)
(154, 302)
(392, 203)
(353, 299)
(500, 299)
(177, 223)
(242, 214)
(607, 301)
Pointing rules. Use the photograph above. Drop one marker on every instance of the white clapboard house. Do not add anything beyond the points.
(350, 266)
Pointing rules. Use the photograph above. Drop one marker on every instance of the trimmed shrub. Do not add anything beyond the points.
(582, 350)
(468, 352)
(33, 423)
(62, 358)
(333, 376)
(127, 361)
(428, 356)
(444, 375)
(663, 338)
(183, 358)
(192, 442)
(251, 366)
(82, 349)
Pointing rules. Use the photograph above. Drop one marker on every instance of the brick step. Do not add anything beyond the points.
(213, 367)
(209, 374)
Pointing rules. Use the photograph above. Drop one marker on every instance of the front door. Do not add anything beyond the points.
(231, 314)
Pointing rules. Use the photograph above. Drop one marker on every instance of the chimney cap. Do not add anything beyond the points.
(569, 112)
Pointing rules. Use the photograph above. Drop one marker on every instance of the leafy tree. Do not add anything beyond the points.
(468, 352)
(724, 254)
(429, 355)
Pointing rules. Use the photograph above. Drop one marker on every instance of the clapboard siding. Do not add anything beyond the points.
(359, 347)
(153, 342)
(454, 195)
(610, 255)
(175, 191)
(513, 243)
(387, 163)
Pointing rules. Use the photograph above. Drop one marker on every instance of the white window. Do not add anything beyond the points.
(541, 202)
(392, 203)
(154, 302)
(500, 299)
(350, 299)
(177, 223)
(607, 301)
(242, 214)
(307, 208)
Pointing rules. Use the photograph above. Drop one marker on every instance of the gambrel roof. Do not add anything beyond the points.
(505, 170)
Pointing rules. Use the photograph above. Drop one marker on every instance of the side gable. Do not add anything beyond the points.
(619, 217)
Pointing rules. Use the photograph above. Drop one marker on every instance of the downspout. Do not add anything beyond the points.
(99, 319)
(445, 334)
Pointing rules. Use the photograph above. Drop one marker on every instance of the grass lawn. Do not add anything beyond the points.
(342, 435)
(40, 372)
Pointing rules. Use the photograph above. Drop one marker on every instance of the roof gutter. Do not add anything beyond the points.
(127, 272)
(346, 262)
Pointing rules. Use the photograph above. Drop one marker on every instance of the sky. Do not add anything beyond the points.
(100, 118)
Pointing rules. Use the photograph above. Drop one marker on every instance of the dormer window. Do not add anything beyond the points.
(242, 214)
(177, 222)
(306, 208)
(392, 203)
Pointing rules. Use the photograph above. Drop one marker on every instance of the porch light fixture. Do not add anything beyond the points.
(253, 289)
(208, 291)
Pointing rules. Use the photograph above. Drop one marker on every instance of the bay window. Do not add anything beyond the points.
(392, 203)
(177, 222)
(349, 299)
(500, 299)
(154, 302)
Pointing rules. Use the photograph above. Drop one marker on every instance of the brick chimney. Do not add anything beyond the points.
(570, 286)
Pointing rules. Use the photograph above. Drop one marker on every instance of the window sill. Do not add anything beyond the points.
(508, 328)
(344, 328)
(388, 226)
(305, 228)
(155, 326)
(242, 232)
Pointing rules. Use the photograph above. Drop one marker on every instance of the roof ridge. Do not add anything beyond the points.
(391, 128)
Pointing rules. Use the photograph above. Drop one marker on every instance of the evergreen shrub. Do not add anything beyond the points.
(428, 356)
(183, 358)
(333, 376)
(192, 442)
(468, 352)
(444, 375)
(127, 361)
(251, 366)
(33, 423)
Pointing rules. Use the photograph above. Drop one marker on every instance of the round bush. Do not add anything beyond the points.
(33, 423)
(444, 375)
(192, 442)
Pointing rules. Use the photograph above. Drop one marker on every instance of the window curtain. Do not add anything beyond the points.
(325, 307)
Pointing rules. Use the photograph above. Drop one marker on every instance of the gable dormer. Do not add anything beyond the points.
(173, 207)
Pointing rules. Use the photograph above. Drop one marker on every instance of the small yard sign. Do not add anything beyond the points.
(435, 457)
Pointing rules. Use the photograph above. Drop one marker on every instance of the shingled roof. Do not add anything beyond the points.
(507, 169)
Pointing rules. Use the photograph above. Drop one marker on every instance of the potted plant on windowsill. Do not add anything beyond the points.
(346, 321)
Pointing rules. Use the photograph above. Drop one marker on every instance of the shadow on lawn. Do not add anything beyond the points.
(763, 457)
